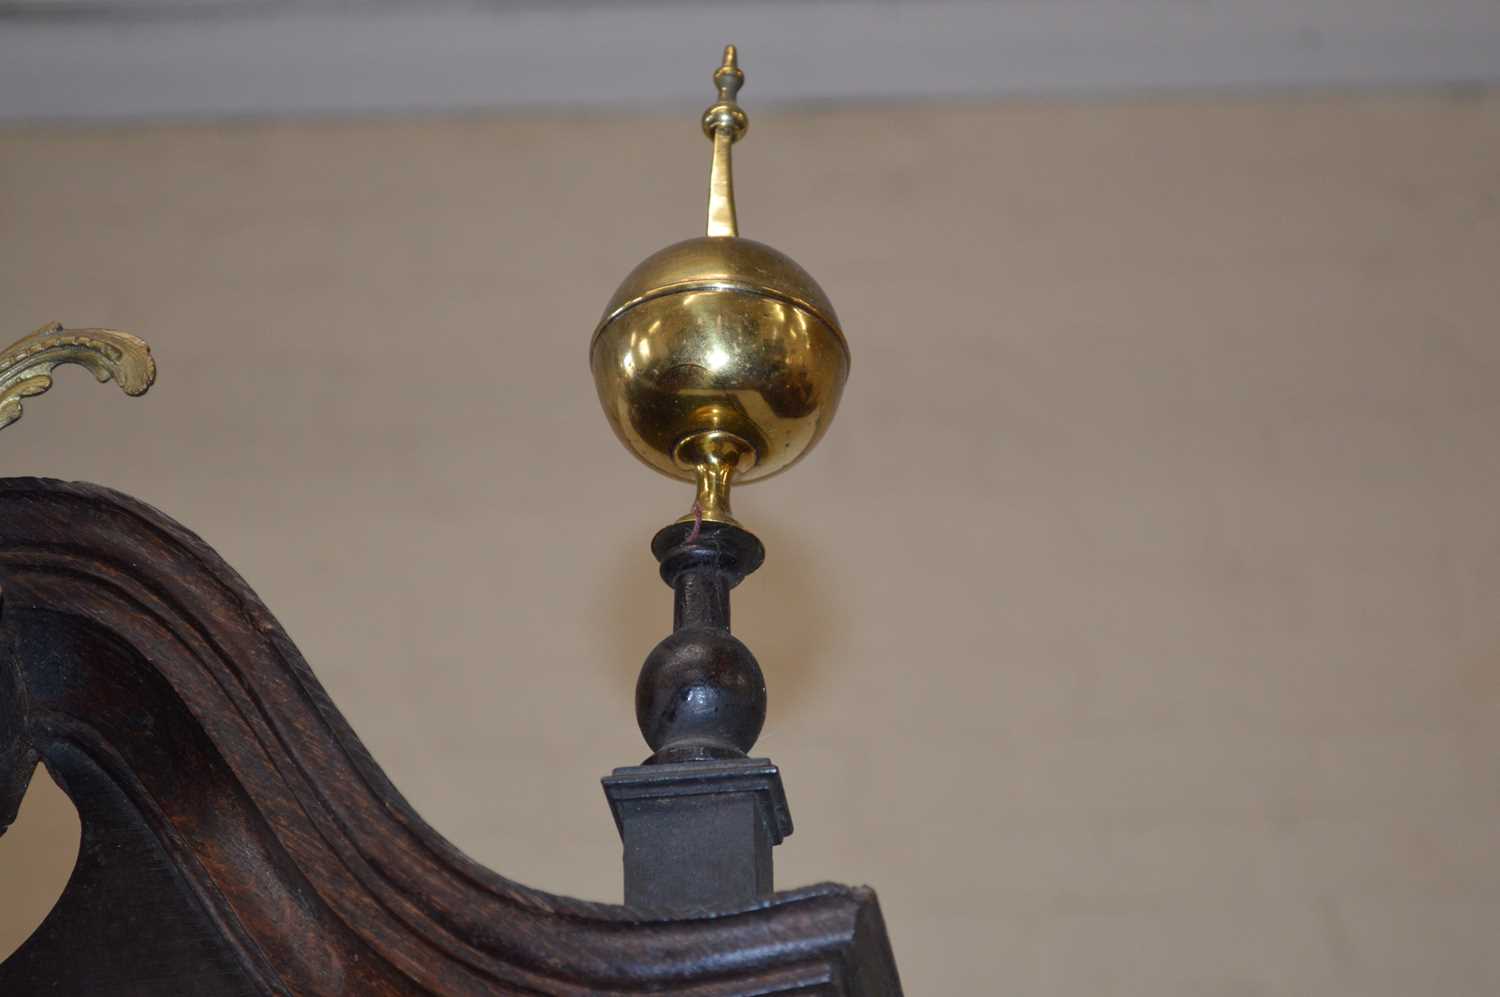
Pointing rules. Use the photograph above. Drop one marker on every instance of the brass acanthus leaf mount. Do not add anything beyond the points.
(26, 366)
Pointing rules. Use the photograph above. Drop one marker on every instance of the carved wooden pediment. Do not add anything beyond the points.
(237, 837)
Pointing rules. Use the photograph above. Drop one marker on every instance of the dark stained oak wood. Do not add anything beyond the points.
(238, 839)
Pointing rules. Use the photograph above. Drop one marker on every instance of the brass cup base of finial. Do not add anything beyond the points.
(714, 457)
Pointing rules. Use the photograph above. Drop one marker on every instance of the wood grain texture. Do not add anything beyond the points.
(239, 840)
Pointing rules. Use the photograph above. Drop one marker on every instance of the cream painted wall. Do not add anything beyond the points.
(1136, 630)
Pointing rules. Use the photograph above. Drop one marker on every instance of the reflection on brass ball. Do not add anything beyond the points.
(719, 352)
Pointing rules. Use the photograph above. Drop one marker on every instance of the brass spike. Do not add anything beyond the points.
(725, 123)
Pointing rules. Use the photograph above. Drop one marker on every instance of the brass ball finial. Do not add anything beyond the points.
(719, 359)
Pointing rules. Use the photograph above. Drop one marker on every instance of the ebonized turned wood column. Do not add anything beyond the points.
(699, 817)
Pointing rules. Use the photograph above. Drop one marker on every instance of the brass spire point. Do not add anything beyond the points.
(725, 123)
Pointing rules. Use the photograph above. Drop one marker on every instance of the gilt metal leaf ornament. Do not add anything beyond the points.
(26, 366)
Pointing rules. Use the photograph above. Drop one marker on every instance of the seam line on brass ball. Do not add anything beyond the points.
(683, 287)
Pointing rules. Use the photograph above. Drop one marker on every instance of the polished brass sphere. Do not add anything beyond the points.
(719, 354)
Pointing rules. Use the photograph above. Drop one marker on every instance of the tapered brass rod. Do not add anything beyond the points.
(721, 220)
